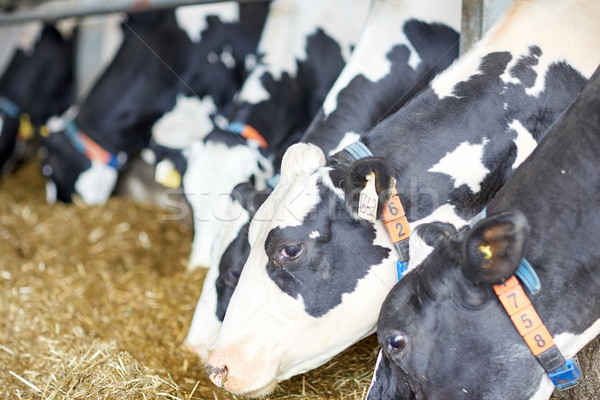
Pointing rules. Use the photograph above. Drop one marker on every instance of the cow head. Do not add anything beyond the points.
(138, 86)
(301, 295)
(442, 331)
(38, 83)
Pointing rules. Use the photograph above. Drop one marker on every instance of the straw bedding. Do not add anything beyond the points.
(96, 302)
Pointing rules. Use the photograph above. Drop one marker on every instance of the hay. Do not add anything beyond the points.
(96, 302)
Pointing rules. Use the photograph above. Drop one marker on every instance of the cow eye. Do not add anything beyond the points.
(288, 253)
(293, 250)
(394, 342)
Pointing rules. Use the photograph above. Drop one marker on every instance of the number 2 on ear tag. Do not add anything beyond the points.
(368, 200)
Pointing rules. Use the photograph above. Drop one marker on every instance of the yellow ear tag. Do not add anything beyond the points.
(368, 200)
(167, 175)
(486, 251)
(25, 127)
(44, 131)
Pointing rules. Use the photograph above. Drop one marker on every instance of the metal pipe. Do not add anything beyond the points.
(478, 16)
(52, 11)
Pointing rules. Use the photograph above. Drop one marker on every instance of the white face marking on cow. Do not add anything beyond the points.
(349, 137)
(525, 142)
(314, 234)
(210, 195)
(95, 184)
(281, 52)
(192, 19)
(464, 165)
(187, 122)
(248, 327)
(375, 64)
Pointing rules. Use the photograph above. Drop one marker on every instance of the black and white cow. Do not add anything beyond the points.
(542, 215)
(192, 117)
(36, 83)
(304, 46)
(163, 53)
(317, 275)
(414, 43)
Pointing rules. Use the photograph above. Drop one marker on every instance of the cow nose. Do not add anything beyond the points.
(218, 375)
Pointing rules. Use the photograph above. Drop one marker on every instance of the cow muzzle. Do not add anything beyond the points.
(232, 372)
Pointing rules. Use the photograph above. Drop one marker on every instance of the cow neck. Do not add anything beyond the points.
(92, 150)
(564, 373)
(394, 217)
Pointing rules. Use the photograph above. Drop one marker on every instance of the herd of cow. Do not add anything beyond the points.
(291, 126)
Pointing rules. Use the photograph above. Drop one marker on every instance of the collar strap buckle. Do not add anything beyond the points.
(394, 217)
(563, 373)
(247, 132)
(92, 150)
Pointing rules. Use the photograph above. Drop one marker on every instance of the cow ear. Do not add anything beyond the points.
(356, 180)
(493, 249)
(432, 233)
(300, 159)
(250, 198)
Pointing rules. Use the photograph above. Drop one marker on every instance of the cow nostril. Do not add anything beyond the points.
(218, 375)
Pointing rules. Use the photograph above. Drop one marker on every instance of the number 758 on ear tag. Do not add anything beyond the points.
(368, 200)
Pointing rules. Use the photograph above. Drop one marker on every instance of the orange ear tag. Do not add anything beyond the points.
(368, 200)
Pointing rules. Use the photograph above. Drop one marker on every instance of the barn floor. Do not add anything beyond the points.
(96, 302)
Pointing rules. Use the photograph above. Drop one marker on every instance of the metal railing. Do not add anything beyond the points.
(55, 10)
